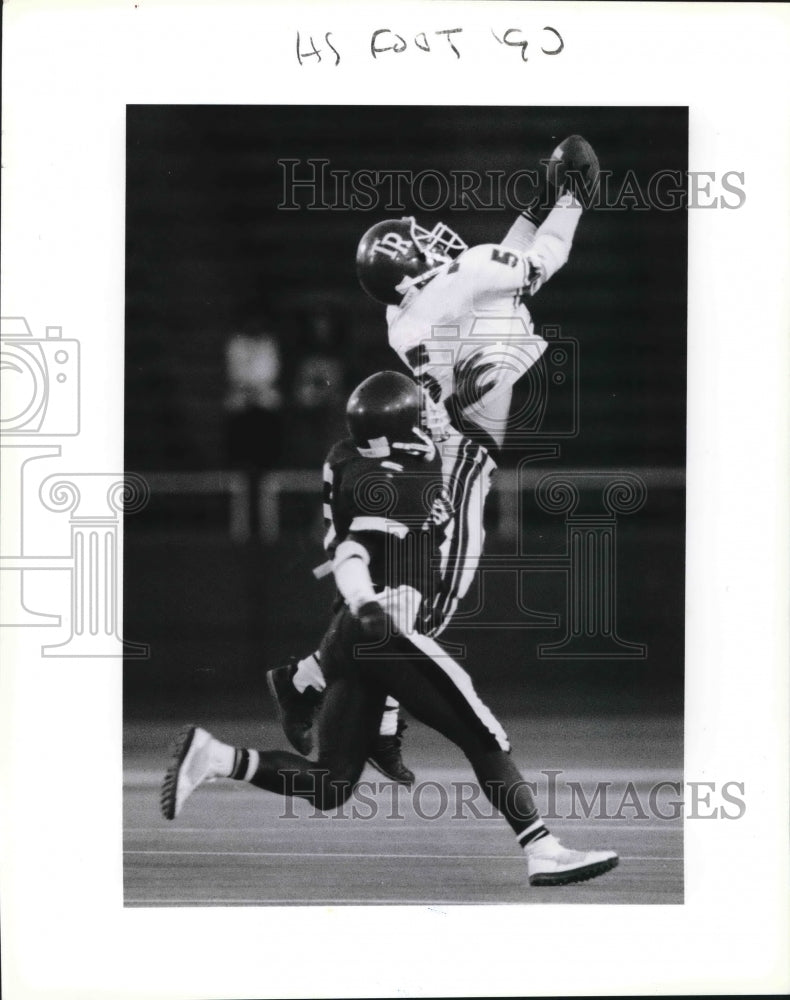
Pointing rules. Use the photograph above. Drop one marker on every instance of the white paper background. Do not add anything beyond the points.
(69, 69)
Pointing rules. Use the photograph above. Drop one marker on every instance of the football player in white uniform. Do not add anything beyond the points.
(457, 317)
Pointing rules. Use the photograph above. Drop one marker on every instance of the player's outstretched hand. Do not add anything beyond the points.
(574, 167)
(374, 621)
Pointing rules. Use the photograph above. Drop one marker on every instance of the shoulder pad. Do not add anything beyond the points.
(341, 451)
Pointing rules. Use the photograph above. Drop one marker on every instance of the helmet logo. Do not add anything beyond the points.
(392, 245)
(377, 448)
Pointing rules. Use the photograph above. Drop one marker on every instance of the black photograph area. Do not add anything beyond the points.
(246, 329)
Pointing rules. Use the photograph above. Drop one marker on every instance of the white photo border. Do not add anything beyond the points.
(70, 69)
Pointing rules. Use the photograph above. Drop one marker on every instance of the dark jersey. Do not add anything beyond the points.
(396, 507)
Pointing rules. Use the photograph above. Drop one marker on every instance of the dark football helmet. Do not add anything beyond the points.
(394, 255)
(383, 413)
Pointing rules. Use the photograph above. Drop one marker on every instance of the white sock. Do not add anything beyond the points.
(534, 835)
(308, 674)
(389, 718)
(222, 758)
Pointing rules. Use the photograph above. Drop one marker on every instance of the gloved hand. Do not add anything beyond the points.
(374, 621)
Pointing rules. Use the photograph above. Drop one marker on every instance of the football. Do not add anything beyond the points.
(574, 166)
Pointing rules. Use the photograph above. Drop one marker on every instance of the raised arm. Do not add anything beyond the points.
(570, 177)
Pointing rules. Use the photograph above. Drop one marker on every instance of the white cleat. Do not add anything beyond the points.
(549, 863)
(194, 761)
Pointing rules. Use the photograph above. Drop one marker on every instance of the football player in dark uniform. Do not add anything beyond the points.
(389, 509)
(457, 316)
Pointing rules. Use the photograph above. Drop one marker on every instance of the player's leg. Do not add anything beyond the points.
(439, 692)
(297, 688)
(384, 747)
(352, 716)
(468, 468)
(347, 726)
(386, 754)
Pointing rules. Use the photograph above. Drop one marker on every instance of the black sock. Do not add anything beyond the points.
(505, 788)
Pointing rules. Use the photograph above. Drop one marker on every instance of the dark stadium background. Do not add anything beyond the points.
(209, 252)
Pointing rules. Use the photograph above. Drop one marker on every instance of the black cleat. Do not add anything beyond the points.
(386, 757)
(296, 710)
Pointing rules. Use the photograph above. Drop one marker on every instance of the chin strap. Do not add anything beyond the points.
(406, 283)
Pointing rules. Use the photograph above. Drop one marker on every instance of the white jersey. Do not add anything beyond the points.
(468, 326)
(471, 311)
(467, 333)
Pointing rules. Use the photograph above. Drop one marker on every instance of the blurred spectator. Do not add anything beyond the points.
(317, 399)
(253, 400)
(316, 414)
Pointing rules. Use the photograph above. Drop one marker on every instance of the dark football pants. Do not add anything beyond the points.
(429, 685)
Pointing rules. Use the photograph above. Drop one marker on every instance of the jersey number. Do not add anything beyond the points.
(420, 360)
(504, 257)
